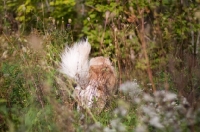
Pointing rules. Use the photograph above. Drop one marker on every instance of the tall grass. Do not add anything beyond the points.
(34, 95)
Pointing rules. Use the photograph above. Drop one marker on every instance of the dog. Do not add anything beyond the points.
(95, 77)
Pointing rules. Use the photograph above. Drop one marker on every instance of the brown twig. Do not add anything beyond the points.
(117, 54)
(144, 48)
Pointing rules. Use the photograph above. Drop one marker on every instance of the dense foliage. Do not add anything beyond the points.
(154, 42)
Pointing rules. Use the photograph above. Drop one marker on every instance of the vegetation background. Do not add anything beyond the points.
(153, 44)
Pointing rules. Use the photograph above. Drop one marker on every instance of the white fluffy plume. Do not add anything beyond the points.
(75, 61)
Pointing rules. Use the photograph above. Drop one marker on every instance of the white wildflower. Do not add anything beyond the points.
(97, 127)
(169, 114)
(121, 128)
(169, 96)
(132, 88)
(141, 128)
(147, 98)
(173, 103)
(106, 129)
(123, 108)
(116, 124)
(159, 93)
(137, 100)
(155, 121)
(121, 111)
(150, 111)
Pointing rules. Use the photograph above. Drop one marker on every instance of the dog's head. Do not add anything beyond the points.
(102, 71)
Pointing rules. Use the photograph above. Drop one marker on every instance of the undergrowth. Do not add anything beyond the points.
(35, 96)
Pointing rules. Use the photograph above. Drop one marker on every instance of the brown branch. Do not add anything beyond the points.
(144, 48)
(117, 53)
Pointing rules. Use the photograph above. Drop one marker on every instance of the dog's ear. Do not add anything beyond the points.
(93, 73)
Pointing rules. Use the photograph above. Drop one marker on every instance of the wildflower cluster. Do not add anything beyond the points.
(159, 111)
(162, 110)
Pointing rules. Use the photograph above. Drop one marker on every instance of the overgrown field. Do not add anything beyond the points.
(154, 47)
